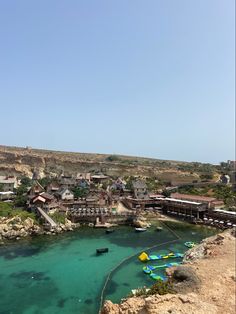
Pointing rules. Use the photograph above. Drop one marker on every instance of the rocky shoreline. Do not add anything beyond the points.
(16, 228)
(205, 283)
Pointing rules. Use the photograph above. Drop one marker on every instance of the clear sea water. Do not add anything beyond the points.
(63, 274)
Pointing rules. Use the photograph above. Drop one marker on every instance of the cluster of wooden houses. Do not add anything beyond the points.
(103, 192)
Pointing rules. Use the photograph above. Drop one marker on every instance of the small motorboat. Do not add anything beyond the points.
(159, 228)
(102, 250)
(110, 230)
(140, 229)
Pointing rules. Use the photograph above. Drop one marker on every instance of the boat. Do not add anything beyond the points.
(102, 250)
(140, 229)
(149, 268)
(110, 230)
(159, 228)
(143, 257)
(189, 244)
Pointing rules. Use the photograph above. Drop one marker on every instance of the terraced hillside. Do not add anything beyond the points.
(24, 161)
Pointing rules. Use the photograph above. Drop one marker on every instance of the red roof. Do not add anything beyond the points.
(191, 197)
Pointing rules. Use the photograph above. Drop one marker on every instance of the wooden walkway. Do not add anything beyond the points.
(46, 217)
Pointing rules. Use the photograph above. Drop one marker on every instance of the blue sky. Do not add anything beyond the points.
(151, 78)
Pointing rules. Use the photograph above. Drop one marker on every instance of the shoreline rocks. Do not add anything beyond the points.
(15, 228)
(140, 222)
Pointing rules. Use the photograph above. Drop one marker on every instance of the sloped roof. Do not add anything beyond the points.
(47, 196)
(61, 191)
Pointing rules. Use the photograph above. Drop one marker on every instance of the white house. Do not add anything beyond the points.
(65, 194)
(8, 183)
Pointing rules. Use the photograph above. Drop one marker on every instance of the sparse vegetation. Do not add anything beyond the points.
(45, 181)
(160, 287)
(153, 184)
(25, 181)
(112, 158)
(7, 210)
(58, 217)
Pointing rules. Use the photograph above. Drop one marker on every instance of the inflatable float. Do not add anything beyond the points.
(144, 257)
(149, 268)
(157, 277)
(189, 244)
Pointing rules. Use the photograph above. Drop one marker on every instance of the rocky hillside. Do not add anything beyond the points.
(25, 161)
(212, 291)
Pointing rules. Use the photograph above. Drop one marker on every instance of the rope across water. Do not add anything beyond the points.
(177, 237)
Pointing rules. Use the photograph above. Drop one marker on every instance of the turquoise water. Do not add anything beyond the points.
(62, 274)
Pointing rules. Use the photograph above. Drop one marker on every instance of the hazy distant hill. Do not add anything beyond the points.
(18, 160)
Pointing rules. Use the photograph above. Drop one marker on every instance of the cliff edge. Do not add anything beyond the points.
(213, 262)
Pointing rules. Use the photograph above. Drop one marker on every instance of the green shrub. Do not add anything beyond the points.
(58, 217)
(20, 200)
(23, 214)
(7, 210)
(26, 181)
(161, 287)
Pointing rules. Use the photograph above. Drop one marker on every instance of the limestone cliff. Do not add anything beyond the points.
(213, 261)
(16, 160)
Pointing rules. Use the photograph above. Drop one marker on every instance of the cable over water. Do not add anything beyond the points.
(177, 238)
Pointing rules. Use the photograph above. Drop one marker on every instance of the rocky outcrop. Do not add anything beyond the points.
(206, 283)
(141, 222)
(175, 304)
(67, 226)
(16, 228)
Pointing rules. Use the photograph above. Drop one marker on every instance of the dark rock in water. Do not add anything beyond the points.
(88, 301)
(112, 287)
(29, 275)
(126, 284)
(61, 302)
(18, 252)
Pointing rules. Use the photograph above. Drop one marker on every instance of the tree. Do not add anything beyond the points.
(22, 189)
(166, 193)
(206, 176)
(20, 200)
(80, 192)
(26, 181)
(45, 181)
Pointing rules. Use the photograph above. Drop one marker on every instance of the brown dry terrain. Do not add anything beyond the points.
(23, 161)
(213, 262)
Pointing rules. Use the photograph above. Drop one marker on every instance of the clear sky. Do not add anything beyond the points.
(151, 78)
